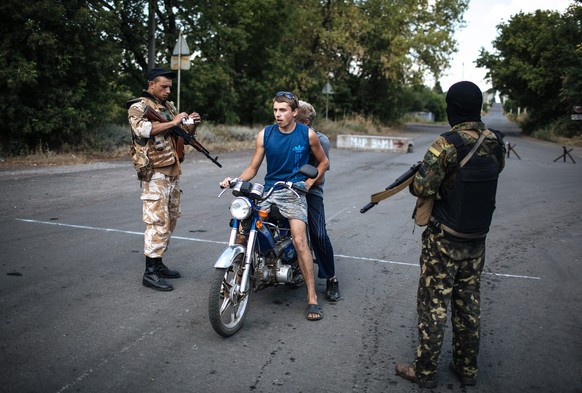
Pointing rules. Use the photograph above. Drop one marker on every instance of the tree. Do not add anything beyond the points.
(56, 71)
(537, 62)
(373, 49)
(423, 99)
(69, 65)
(400, 42)
(238, 43)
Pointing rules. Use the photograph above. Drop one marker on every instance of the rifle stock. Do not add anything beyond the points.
(152, 115)
(406, 177)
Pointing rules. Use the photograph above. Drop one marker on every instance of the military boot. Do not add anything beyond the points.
(164, 271)
(152, 278)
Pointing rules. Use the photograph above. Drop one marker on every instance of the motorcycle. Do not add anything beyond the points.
(267, 257)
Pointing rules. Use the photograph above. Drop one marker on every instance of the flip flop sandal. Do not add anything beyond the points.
(313, 309)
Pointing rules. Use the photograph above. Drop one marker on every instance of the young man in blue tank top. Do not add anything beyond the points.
(287, 146)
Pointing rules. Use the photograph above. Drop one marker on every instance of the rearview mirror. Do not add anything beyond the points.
(309, 170)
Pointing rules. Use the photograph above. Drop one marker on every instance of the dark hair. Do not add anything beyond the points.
(289, 98)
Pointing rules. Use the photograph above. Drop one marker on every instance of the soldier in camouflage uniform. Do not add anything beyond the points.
(453, 244)
(156, 157)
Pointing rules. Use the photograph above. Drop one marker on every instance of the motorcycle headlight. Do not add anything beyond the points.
(240, 208)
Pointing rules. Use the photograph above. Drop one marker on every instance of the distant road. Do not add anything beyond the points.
(75, 317)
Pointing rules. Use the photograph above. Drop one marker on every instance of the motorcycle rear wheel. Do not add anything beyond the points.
(227, 307)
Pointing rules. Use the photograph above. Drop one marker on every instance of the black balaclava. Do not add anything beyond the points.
(464, 101)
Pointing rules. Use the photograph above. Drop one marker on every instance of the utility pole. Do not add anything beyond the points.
(327, 90)
(180, 60)
(151, 35)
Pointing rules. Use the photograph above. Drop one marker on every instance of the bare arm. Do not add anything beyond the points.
(251, 171)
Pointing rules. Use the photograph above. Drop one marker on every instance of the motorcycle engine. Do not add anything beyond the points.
(273, 273)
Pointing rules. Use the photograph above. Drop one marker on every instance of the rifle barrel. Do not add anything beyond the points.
(403, 178)
(191, 140)
(367, 207)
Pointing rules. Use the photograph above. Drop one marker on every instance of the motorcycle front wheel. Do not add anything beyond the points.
(227, 306)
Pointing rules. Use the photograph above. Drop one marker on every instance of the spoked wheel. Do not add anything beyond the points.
(227, 306)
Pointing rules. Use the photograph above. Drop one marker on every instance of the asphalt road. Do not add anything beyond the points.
(75, 317)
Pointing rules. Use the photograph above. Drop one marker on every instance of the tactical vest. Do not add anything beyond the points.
(161, 148)
(467, 198)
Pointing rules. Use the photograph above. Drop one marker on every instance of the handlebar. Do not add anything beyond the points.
(284, 184)
(280, 184)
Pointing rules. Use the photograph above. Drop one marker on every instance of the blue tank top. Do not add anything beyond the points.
(285, 153)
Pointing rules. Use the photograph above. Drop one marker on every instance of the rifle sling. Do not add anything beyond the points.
(379, 196)
(473, 150)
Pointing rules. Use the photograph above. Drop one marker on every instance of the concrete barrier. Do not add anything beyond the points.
(376, 142)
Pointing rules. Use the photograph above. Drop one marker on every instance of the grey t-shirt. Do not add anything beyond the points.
(318, 189)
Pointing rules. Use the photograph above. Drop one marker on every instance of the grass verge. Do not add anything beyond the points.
(112, 142)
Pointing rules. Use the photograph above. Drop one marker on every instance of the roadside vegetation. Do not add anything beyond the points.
(565, 132)
(112, 142)
(69, 66)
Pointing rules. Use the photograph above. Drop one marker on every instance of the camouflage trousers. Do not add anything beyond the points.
(161, 209)
(450, 274)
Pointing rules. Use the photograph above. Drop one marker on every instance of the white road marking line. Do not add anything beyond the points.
(114, 230)
(377, 260)
(416, 265)
(222, 242)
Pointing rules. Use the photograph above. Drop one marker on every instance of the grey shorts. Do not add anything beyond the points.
(289, 205)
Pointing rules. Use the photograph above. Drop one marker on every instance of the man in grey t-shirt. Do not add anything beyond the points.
(320, 242)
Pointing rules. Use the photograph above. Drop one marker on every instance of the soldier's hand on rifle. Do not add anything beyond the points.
(196, 117)
(179, 118)
(192, 121)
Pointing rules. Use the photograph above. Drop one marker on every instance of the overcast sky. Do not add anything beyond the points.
(481, 18)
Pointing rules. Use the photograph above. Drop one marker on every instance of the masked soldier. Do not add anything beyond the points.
(459, 176)
(156, 154)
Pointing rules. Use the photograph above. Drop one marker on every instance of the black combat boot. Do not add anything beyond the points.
(152, 278)
(164, 271)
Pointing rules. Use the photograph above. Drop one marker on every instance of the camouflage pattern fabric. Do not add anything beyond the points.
(441, 158)
(450, 274)
(289, 205)
(161, 209)
(165, 154)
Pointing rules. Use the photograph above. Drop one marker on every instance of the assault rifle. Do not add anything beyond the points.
(152, 115)
(398, 185)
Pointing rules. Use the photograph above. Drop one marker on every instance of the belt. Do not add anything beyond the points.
(451, 231)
